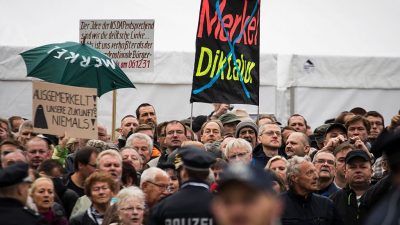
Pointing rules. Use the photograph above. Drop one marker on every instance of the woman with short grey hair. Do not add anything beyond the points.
(130, 207)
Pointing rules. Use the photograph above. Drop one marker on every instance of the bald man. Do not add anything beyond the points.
(297, 144)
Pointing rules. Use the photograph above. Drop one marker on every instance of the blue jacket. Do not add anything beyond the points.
(328, 191)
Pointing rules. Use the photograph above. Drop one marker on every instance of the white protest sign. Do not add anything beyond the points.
(130, 43)
(59, 108)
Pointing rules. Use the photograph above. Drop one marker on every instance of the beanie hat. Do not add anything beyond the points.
(244, 124)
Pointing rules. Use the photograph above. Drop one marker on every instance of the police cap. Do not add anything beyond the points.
(196, 159)
(14, 174)
(251, 176)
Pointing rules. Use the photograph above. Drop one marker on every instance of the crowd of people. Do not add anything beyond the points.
(223, 168)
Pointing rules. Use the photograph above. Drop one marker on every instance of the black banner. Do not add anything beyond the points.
(226, 68)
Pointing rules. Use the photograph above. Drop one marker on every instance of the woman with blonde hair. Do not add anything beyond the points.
(278, 164)
(42, 194)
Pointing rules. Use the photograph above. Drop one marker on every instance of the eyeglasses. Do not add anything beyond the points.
(323, 161)
(163, 187)
(271, 133)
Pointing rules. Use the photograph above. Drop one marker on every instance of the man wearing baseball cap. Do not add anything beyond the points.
(14, 186)
(358, 172)
(335, 134)
(245, 196)
(191, 204)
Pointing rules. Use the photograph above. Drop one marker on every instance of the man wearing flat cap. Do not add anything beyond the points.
(245, 196)
(14, 186)
(229, 121)
(191, 204)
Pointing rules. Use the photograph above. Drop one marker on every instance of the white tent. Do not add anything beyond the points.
(352, 46)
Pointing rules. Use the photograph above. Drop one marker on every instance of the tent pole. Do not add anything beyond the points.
(114, 112)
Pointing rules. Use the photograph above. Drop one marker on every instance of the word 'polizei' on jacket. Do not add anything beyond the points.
(190, 205)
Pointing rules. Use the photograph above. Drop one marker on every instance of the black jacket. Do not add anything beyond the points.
(313, 210)
(82, 219)
(345, 202)
(375, 193)
(259, 157)
(190, 205)
(13, 212)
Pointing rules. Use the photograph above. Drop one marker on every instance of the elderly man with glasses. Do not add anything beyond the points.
(154, 182)
(324, 161)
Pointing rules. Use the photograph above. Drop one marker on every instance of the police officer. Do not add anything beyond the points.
(191, 204)
(245, 196)
(14, 186)
(387, 210)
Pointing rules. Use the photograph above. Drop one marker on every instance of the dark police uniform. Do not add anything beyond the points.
(387, 210)
(13, 211)
(191, 204)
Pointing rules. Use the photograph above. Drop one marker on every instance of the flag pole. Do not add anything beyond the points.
(114, 112)
(191, 115)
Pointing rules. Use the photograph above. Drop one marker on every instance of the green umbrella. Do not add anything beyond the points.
(75, 64)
